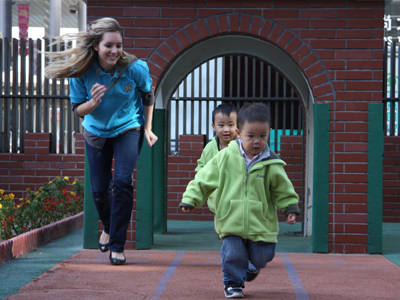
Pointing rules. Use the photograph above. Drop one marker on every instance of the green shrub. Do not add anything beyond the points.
(51, 203)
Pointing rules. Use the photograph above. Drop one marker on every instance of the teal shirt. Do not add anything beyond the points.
(121, 107)
(246, 202)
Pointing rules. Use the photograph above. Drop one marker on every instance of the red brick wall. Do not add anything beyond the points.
(180, 172)
(291, 154)
(19, 171)
(391, 180)
(337, 44)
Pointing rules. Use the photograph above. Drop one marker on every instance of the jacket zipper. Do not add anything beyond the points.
(246, 213)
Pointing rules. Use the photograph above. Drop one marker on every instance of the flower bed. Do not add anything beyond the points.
(51, 203)
(41, 217)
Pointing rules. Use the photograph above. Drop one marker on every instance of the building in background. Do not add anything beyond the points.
(41, 18)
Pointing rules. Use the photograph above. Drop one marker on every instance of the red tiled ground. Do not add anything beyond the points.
(157, 274)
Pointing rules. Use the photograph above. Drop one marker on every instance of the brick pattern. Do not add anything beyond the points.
(337, 44)
(291, 153)
(180, 172)
(19, 171)
(391, 180)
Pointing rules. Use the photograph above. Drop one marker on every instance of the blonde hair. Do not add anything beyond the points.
(75, 62)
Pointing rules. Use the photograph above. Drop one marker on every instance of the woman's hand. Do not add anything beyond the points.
(98, 90)
(151, 138)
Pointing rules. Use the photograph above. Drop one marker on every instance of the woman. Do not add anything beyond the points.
(112, 91)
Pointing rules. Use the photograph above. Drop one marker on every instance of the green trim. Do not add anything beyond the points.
(90, 217)
(159, 176)
(144, 195)
(375, 154)
(320, 212)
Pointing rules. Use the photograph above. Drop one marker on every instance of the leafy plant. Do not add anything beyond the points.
(51, 203)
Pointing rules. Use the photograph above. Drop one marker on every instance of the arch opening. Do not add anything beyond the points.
(263, 51)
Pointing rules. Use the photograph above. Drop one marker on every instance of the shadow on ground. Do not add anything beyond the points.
(200, 236)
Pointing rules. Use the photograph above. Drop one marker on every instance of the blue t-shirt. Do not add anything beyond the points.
(121, 107)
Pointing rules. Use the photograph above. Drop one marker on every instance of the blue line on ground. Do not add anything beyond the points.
(350, 267)
(298, 287)
(162, 285)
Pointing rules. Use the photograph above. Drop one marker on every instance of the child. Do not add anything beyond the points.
(252, 185)
(224, 119)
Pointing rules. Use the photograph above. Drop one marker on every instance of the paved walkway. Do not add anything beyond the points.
(63, 270)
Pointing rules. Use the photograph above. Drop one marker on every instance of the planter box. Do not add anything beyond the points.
(35, 238)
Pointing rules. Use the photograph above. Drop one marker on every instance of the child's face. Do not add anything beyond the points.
(254, 137)
(225, 127)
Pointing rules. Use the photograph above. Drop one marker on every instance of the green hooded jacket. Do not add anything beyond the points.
(246, 201)
(209, 151)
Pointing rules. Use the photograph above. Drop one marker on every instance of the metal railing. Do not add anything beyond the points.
(391, 88)
(234, 79)
(30, 102)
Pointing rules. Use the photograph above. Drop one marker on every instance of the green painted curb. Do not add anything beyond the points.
(320, 212)
(375, 177)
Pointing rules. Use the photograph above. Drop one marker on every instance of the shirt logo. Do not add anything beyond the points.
(259, 176)
(128, 88)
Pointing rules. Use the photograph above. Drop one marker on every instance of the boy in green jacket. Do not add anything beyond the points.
(251, 184)
(224, 119)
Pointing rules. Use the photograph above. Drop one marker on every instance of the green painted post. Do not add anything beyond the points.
(90, 216)
(159, 176)
(144, 194)
(320, 213)
(375, 154)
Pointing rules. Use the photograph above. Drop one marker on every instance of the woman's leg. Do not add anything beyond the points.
(100, 162)
(126, 151)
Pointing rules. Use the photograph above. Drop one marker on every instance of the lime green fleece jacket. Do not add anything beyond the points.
(246, 201)
(209, 151)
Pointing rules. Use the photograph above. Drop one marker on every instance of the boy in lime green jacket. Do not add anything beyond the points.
(224, 119)
(251, 184)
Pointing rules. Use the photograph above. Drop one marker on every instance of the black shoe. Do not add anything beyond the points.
(251, 275)
(116, 261)
(103, 247)
(233, 290)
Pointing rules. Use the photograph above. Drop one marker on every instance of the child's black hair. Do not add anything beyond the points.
(251, 112)
(225, 109)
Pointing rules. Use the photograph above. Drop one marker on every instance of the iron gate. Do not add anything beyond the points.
(235, 79)
(391, 88)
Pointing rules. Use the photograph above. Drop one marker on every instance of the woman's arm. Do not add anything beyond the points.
(151, 138)
(98, 91)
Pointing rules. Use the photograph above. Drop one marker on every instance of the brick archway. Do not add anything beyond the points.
(169, 71)
(247, 25)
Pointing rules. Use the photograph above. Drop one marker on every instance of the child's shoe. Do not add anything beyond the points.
(233, 290)
(251, 275)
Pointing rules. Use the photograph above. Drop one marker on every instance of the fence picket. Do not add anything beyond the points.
(27, 98)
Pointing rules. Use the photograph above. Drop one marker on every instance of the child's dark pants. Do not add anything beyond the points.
(236, 253)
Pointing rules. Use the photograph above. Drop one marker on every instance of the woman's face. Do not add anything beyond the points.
(109, 50)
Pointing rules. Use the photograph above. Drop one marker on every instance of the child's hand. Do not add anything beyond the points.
(291, 219)
(186, 210)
